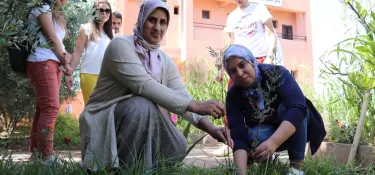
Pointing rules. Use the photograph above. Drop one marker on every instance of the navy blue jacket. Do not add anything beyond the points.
(240, 110)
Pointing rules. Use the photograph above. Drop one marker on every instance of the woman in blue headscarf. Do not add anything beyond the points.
(267, 111)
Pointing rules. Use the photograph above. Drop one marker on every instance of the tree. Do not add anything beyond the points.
(355, 68)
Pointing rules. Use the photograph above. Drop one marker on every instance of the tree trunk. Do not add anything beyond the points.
(358, 133)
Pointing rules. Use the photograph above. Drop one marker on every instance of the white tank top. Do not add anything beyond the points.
(94, 52)
(43, 54)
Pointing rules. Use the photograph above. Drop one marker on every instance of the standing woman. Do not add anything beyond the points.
(45, 75)
(93, 38)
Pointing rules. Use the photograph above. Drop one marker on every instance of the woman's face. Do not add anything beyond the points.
(155, 26)
(241, 72)
(104, 12)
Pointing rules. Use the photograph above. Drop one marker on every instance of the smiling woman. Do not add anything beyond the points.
(127, 117)
(155, 26)
(267, 111)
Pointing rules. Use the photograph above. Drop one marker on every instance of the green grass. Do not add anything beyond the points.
(312, 167)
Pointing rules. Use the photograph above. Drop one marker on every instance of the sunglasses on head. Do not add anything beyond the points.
(104, 10)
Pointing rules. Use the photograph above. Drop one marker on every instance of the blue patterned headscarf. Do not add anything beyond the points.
(254, 93)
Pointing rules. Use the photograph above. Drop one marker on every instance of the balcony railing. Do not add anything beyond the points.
(221, 27)
(291, 37)
(207, 25)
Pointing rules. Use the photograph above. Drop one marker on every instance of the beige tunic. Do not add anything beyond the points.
(123, 75)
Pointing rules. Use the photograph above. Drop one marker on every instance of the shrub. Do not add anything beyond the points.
(66, 127)
(200, 81)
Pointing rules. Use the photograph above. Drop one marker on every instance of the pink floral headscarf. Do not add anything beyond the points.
(148, 53)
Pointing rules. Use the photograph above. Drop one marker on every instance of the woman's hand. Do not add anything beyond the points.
(219, 133)
(265, 150)
(65, 58)
(69, 83)
(209, 107)
(222, 134)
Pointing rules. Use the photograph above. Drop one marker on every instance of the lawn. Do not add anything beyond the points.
(312, 167)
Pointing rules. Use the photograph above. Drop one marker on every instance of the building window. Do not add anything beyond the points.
(175, 10)
(205, 14)
(274, 23)
(294, 73)
(287, 32)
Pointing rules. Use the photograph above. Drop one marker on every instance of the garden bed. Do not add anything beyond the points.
(340, 152)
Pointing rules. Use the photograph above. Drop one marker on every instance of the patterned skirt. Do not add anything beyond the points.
(145, 136)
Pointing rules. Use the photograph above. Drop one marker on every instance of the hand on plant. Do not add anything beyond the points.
(209, 107)
(265, 151)
(222, 134)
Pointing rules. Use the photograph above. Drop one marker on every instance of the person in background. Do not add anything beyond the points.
(117, 22)
(93, 39)
(43, 70)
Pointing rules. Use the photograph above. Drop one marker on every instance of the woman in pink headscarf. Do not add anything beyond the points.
(127, 117)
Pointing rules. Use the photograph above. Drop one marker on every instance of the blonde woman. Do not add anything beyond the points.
(45, 75)
(93, 38)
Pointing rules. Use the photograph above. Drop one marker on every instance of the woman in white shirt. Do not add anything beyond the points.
(45, 75)
(93, 38)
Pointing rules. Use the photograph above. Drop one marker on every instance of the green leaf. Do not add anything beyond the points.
(193, 145)
(358, 6)
(364, 49)
(345, 82)
(46, 46)
(334, 68)
(187, 130)
(373, 15)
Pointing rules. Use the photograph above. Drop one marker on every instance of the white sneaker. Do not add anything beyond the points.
(223, 151)
(293, 171)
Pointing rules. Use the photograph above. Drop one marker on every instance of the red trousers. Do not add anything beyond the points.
(45, 77)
